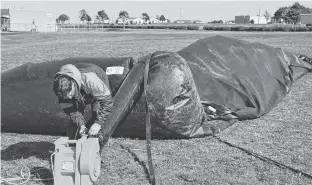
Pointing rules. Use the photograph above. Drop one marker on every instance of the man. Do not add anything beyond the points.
(77, 86)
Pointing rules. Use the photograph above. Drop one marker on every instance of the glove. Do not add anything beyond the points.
(94, 130)
(83, 130)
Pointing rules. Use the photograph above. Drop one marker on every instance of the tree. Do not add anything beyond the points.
(145, 17)
(266, 14)
(62, 18)
(252, 21)
(293, 15)
(83, 15)
(124, 16)
(281, 13)
(162, 18)
(157, 17)
(88, 18)
(298, 6)
(101, 16)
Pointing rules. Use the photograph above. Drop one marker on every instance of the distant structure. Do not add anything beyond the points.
(5, 20)
(197, 21)
(306, 19)
(246, 19)
(27, 20)
(140, 20)
(242, 19)
(260, 19)
(153, 20)
(183, 21)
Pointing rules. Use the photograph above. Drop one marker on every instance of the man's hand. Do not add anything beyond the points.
(83, 130)
(94, 130)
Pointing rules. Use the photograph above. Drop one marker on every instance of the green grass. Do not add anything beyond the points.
(285, 134)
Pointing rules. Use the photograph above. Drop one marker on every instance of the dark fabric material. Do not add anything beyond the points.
(129, 92)
(247, 78)
(28, 104)
(197, 91)
(229, 80)
(173, 102)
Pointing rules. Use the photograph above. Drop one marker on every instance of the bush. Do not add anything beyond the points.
(192, 27)
(213, 27)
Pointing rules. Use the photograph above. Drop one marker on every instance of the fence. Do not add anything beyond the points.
(65, 28)
(29, 27)
(176, 26)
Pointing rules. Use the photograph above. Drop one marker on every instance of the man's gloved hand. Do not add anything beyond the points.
(83, 130)
(94, 130)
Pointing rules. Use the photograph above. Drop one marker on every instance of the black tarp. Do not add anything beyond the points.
(247, 78)
(28, 104)
(215, 78)
(237, 80)
(174, 105)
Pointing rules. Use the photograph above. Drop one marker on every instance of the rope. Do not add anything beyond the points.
(148, 129)
(27, 178)
(15, 179)
(265, 159)
(52, 166)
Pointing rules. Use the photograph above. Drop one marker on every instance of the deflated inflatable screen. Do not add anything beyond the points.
(28, 102)
(215, 78)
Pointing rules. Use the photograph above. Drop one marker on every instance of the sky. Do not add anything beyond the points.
(190, 10)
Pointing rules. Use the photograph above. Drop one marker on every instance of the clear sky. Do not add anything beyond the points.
(191, 10)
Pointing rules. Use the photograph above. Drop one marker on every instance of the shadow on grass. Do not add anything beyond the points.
(41, 150)
(42, 173)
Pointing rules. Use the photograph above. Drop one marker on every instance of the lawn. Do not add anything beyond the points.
(283, 135)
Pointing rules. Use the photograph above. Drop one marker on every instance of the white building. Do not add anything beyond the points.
(137, 20)
(26, 20)
(154, 20)
(260, 19)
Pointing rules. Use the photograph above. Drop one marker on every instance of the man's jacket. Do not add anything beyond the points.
(93, 88)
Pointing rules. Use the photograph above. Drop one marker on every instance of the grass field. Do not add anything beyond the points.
(284, 135)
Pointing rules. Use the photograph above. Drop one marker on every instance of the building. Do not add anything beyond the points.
(306, 19)
(153, 20)
(5, 20)
(137, 20)
(26, 20)
(260, 19)
(183, 21)
(106, 21)
(246, 19)
(197, 21)
(121, 21)
(242, 19)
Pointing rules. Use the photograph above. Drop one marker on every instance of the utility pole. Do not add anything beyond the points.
(180, 14)
(259, 15)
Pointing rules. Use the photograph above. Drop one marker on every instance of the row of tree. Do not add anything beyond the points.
(102, 16)
(84, 16)
(291, 14)
(146, 18)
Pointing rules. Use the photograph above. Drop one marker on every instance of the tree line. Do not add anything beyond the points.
(291, 14)
(101, 16)
(287, 14)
